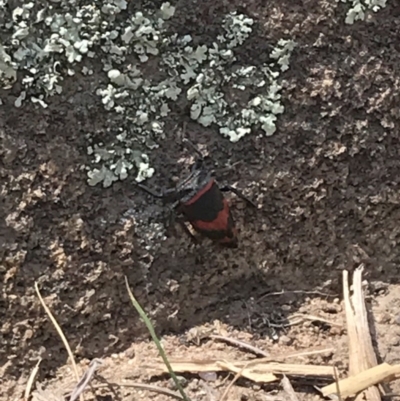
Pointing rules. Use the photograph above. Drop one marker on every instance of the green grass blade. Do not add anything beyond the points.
(150, 327)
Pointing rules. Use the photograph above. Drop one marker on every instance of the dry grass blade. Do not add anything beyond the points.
(256, 376)
(283, 292)
(308, 353)
(288, 388)
(142, 386)
(300, 318)
(85, 379)
(241, 344)
(31, 379)
(339, 395)
(60, 333)
(235, 379)
(318, 319)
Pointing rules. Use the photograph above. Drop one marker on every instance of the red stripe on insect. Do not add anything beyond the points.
(220, 223)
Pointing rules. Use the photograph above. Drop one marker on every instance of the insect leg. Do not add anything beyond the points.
(187, 231)
(164, 194)
(176, 217)
(229, 188)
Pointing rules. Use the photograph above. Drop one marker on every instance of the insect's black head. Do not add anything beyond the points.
(186, 189)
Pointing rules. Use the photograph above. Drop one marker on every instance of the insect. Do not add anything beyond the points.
(200, 200)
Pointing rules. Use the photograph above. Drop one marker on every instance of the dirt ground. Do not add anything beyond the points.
(327, 184)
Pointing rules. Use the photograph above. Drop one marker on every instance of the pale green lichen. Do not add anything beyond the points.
(207, 94)
(116, 162)
(167, 11)
(282, 53)
(358, 9)
(58, 42)
(8, 70)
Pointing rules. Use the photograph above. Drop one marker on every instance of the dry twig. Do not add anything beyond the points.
(259, 370)
(355, 384)
(362, 355)
(361, 352)
(235, 379)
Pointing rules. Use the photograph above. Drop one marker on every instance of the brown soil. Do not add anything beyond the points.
(327, 183)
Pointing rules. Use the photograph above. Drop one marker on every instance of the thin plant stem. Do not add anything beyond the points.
(150, 327)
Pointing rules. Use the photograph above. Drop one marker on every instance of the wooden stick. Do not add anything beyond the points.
(361, 352)
(363, 380)
(259, 370)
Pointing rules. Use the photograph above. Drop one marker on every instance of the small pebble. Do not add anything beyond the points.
(208, 376)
